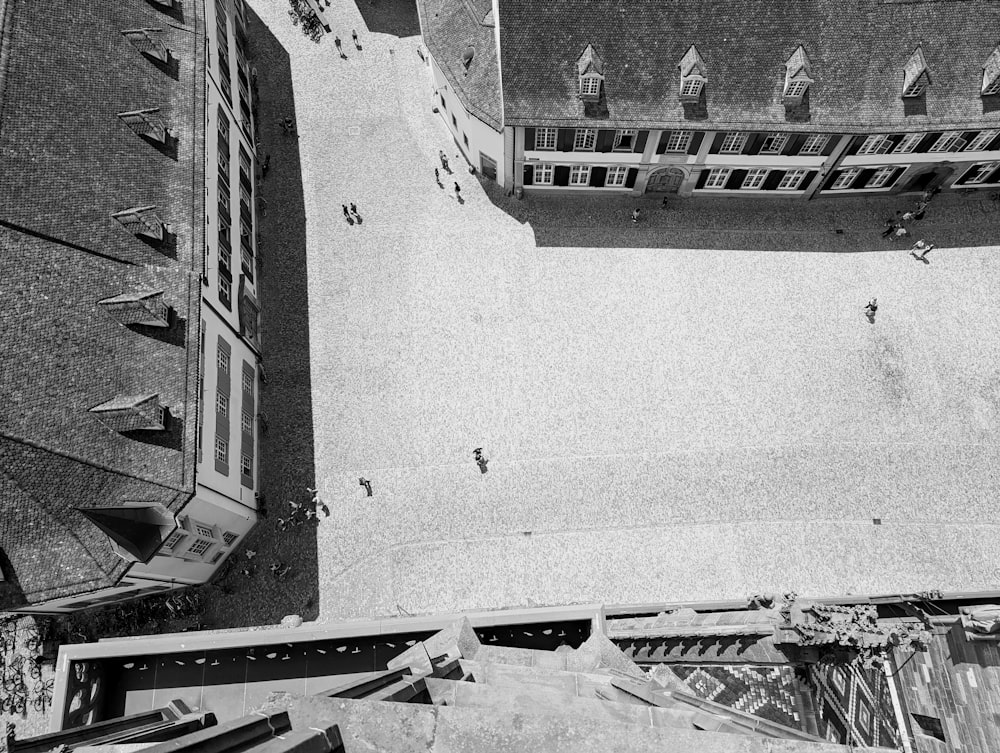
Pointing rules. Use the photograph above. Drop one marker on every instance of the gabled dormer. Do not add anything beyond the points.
(148, 42)
(132, 413)
(136, 529)
(144, 307)
(146, 123)
(991, 74)
(797, 76)
(590, 69)
(694, 76)
(915, 74)
(141, 221)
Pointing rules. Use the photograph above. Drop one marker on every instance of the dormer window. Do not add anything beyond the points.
(139, 307)
(915, 75)
(132, 413)
(148, 42)
(991, 73)
(146, 123)
(797, 76)
(694, 75)
(141, 221)
(590, 69)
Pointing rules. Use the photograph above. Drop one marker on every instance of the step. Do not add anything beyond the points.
(596, 652)
(586, 684)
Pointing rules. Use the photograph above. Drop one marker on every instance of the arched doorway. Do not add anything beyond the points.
(665, 181)
(929, 177)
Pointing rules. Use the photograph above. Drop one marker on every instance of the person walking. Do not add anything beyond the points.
(354, 36)
(635, 215)
(347, 215)
(366, 484)
(444, 160)
(923, 249)
(458, 192)
(871, 308)
(437, 178)
(340, 48)
(354, 211)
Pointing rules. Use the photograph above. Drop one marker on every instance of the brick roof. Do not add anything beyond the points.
(69, 163)
(449, 27)
(857, 51)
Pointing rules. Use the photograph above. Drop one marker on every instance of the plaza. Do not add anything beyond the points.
(664, 421)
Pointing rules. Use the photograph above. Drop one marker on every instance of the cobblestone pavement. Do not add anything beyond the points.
(663, 421)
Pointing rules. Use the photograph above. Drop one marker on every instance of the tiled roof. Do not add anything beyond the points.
(857, 51)
(69, 163)
(449, 27)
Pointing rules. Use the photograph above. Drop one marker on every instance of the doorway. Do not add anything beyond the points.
(665, 181)
(488, 166)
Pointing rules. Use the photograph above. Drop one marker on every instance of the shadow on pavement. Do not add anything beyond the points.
(827, 225)
(396, 17)
(287, 469)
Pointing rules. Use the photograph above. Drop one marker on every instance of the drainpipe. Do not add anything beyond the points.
(831, 164)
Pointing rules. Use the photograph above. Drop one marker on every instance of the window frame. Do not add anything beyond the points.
(724, 172)
(543, 142)
(993, 88)
(197, 545)
(223, 360)
(614, 172)
(981, 139)
(222, 450)
(814, 144)
(797, 175)
(246, 383)
(980, 178)
(588, 82)
(754, 178)
(222, 403)
(915, 89)
(946, 141)
(545, 168)
(225, 291)
(246, 422)
(246, 465)
(620, 135)
(778, 142)
(584, 136)
(575, 170)
(793, 89)
(873, 144)
(851, 173)
(909, 143)
(730, 140)
(683, 142)
(881, 176)
(691, 87)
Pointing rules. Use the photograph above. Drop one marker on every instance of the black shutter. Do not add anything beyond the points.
(564, 141)
(605, 140)
(807, 181)
(794, 143)
(696, 138)
(640, 142)
(662, 146)
(895, 176)
(598, 175)
(927, 141)
(863, 177)
(831, 144)
(702, 177)
(736, 179)
(716, 143)
(994, 144)
(856, 142)
(754, 143)
(894, 139)
(993, 177)
(630, 178)
(772, 180)
(560, 176)
(968, 136)
(965, 176)
(529, 175)
(831, 179)
(529, 139)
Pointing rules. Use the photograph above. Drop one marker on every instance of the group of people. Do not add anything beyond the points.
(351, 215)
(447, 168)
(895, 227)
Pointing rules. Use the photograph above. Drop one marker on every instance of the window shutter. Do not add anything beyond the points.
(662, 146)
(928, 141)
(991, 145)
(560, 176)
(831, 179)
(754, 143)
(605, 140)
(856, 143)
(564, 141)
(808, 180)
(736, 179)
(702, 177)
(630, 179)
(696, 138)
(794, 143)
(640, 142)
(831, 144)
(863, 177)
(529, 175)
(716, 143)
(772, 180)
(895, 176)
(598, 175)
(529, 139)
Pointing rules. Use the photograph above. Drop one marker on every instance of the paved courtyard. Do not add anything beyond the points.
(661, 425)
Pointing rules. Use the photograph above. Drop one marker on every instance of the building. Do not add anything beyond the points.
(763, 98)
(129, 343)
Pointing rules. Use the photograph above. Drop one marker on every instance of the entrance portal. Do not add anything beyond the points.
(488, 166)
(665, 181)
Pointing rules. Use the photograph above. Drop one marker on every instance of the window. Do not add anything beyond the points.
(199, 547)
(584, 139)
(442, 102)
(845, 178)
(755, 178)
(815, 143)
(982, 140)
(246, 197)
(875, 144)
(692, 87)
(881, 177)
(678, 141)
(224, 163)
(791, 180)
(245, 170)
(246, 423)
(733, 143)
(624, 140)
(796, 88)
(915, 89)
(248, 382)
(717, 177)
(545, 138)
(223, 360)
(908, 144)
(224, 199)
(221, 404)
(223, 127)
(949, 141)
(993, 88)
(579, 175)
(225, 257)
(465, 139)
(616, 175)
(230, 538)
(204, 531)
(773, 143)
(221, 450)
(225, 291)
(454, 122)
(173, 539)
(590, 86)
(246, 465)
(979, 173)
(543, 175)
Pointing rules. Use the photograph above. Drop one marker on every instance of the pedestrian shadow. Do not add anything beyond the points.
(286, 432)
(395, 17)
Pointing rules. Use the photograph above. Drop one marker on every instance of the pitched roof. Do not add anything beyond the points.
(449, 27)
(857, 53)
(69, 163)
